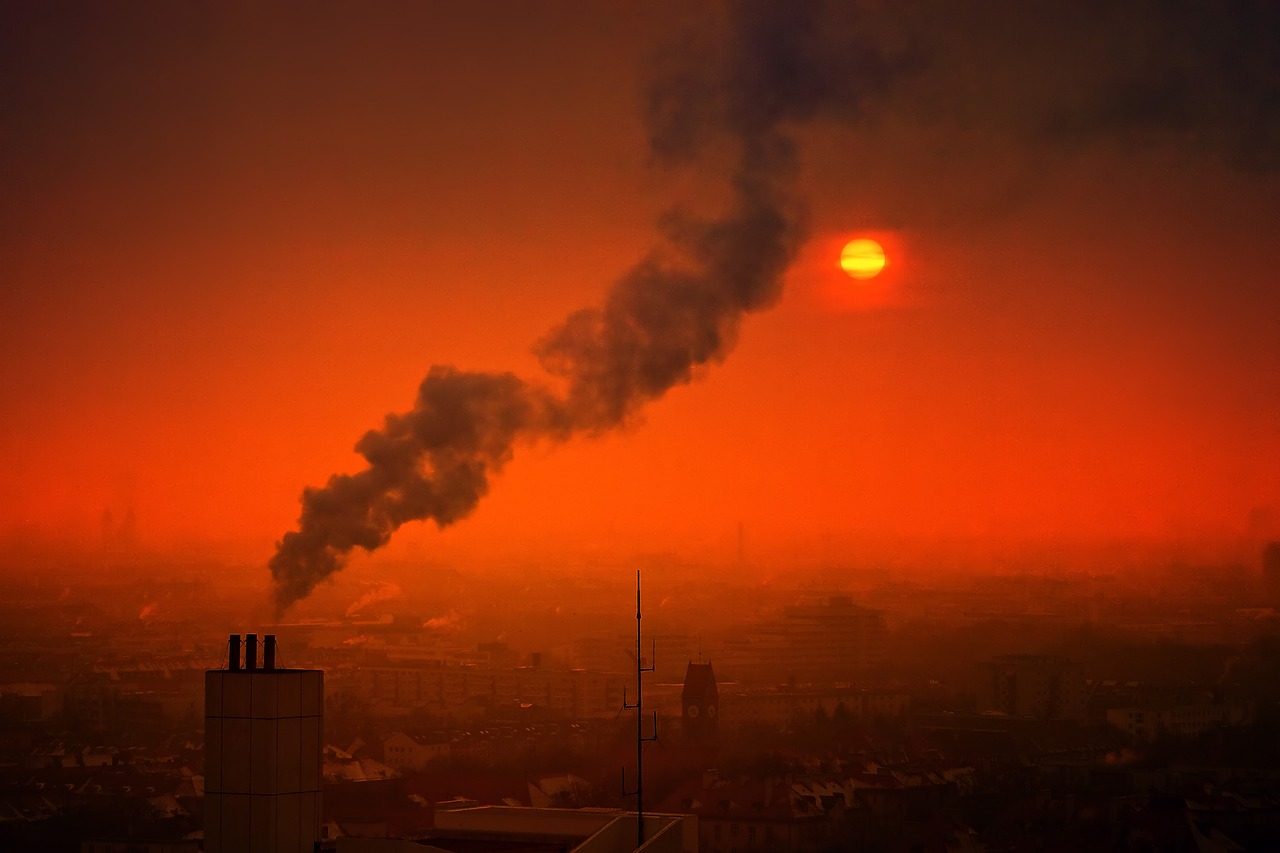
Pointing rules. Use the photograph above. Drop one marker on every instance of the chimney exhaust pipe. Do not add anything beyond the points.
(269, 652)
(251, 652)
(233, 653)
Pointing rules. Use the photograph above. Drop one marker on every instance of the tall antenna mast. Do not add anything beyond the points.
(638, 707)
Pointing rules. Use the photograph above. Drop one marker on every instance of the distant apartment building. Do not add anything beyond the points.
(617, 653)
(603, 654)
(836, 641)
(28, 702)
(145, 696)
(1271, 572)
(461, 690)
(784, 709)
(1179, 719)
(1042, 687)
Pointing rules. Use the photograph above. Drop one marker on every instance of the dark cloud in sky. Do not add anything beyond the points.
(1202, 75)
(769, 63)
(1059, 73)
(957, 110)
(1206, 73)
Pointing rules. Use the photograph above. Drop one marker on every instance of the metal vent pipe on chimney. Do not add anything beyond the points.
(233, 653)
(269, 652)
(251, 651)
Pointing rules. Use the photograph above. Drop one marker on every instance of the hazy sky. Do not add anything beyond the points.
(237, 235)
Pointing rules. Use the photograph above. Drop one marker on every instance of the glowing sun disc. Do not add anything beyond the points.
(862, 258)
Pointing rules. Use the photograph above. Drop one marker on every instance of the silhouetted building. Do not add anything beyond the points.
(700, 704)
(466, 692)
(407, 753)
(1185, 716)
(1043, 687)
(790, 707)
(263, 747)
(740, 814)
(833, 642)
(1271, 572)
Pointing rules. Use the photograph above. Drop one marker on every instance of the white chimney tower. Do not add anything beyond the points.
(262, 756)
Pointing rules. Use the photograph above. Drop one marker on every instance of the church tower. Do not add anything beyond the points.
(700, 704)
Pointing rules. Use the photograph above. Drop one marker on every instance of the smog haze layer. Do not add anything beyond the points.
(237, 240)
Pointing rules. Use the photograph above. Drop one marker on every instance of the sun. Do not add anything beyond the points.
(862, 258)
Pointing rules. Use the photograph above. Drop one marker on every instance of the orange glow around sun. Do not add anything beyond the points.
(862, 258)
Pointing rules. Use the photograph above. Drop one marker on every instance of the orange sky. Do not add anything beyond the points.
(234, 240)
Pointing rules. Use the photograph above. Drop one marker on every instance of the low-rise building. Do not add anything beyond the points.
(752, 815)
(787, 708)
(1186, 719)
(407, 753)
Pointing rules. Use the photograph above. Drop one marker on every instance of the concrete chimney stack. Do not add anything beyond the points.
(263, 757)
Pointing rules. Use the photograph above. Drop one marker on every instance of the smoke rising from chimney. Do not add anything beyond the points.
(677, 309)
(384, 591)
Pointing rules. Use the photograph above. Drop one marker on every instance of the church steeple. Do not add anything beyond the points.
(700, 704)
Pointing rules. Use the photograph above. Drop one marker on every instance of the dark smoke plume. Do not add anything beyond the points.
(658, 323)
(675, 310)
(1198, 74)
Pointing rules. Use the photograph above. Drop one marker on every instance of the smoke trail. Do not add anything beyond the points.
(384, 591)
(432, 462)
(675, 310)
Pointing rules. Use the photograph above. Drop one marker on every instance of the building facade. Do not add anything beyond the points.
(263, 748)
(1042, 687)
(406, 753)
(832, 642)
